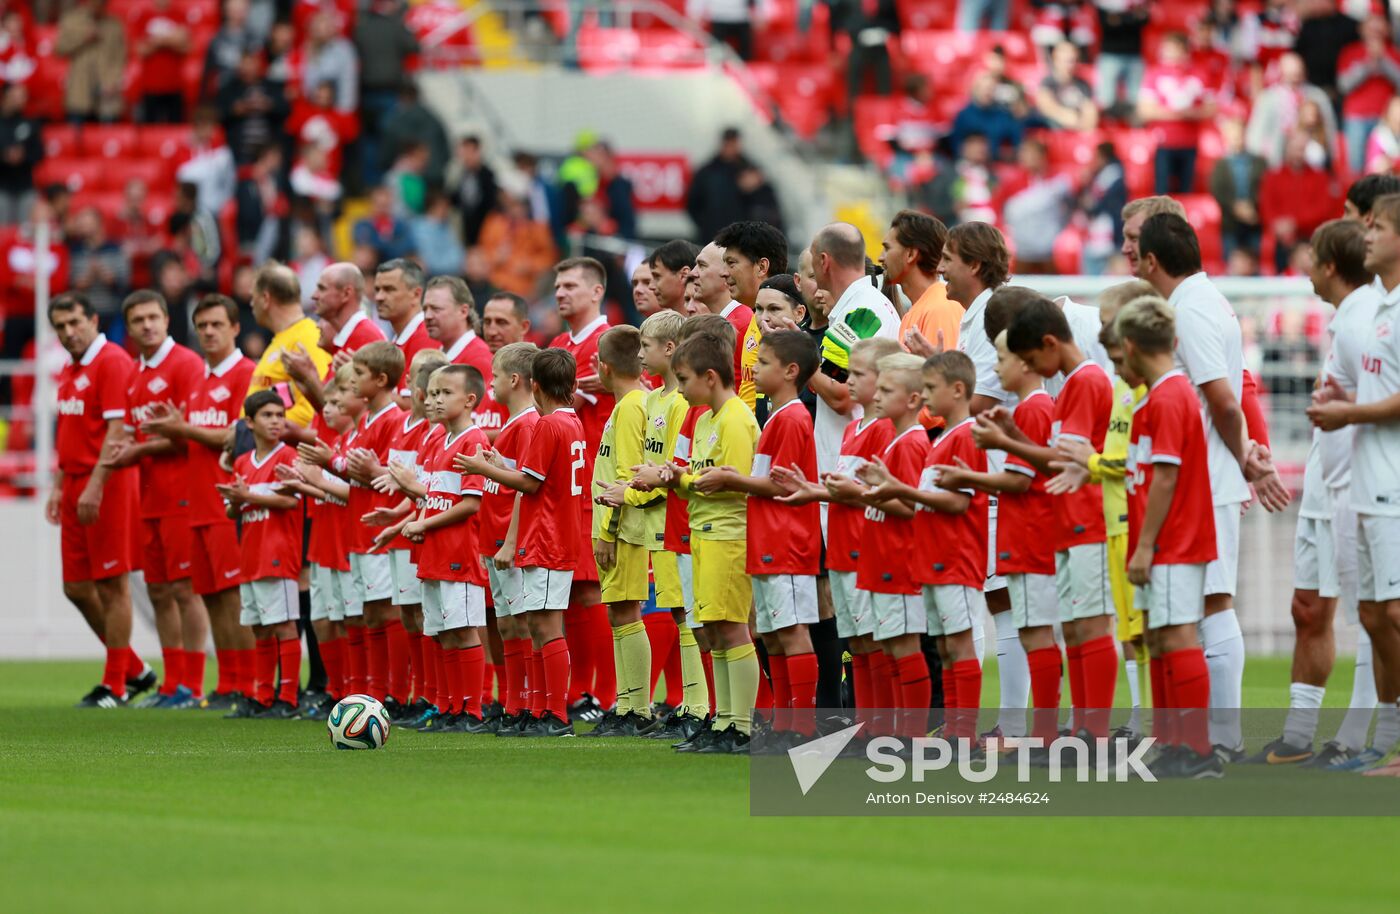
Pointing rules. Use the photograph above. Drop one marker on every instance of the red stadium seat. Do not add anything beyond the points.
(1070, 147)
(46, 88)
(163, 141)
(60, 140)
(1203, 212)
(667, 49)
(75, 174)
(804, 96)
(1069, 251)
(875, 120)
(606, 50)
(1138, 151)
(155, 173)
(108, 141)
(927, 14)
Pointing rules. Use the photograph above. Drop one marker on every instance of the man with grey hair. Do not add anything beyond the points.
(398, 296)
(449, 314)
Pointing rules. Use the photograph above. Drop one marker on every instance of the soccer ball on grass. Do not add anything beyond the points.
(358, 722)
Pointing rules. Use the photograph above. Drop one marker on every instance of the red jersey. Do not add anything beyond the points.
(952, 548)
(161, 69)
(271, 538)
(739, 316)
(471, 350)
(677, 536)
(1178, 89)
(1082, 412)
(406, 447)
(172, 374)
(785, 539)
(373, 433)
(1023, 517)
(451, 553)
(329, 530)
(489, 415)
(497, 501)
(551, 520)
(412, 338)
(887, 561)
(1167, 429)
(862, 440)
(91, 392)
(215, 404)
(593, 409)
(358, 331)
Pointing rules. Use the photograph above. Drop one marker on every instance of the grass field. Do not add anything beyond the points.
(146, 810)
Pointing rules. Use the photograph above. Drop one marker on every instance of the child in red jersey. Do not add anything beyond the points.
(1171, 528)
(1040, 335)
(271, 549)
(1024, 555)
(950, 536)
(552, 479)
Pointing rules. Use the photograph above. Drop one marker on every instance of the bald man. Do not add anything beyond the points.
(340, 291)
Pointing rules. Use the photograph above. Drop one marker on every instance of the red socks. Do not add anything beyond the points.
(1045, 671)
(802, 680)
(396, 644)
(915, 691)
(192, 675)
(244, 664)
(434, 674)
(1161, 715)
(708, 662)
(1098, 659)
(473, 662)
(514, 697)
(600, 640)
(1074, 654)
(355, 659)
(554, 659)
(265, 670)
(135, 666)
(968, 676)
(333, 659)
(172, 661)
(882, 691)
(950, 693)
(675, 681)
(1188, 694)
(454, 672)
(664, 638)
(860, 680)
(416, 686)
(536, 684)
(114, 671)
(377, 650)
(289, 663)
(223, 659)
(764, 700)
(782, 692)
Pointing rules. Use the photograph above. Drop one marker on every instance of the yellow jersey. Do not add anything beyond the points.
(747, 360)
(271, 374)
(1108, 469)
(726, 438)
(665, 413)
(619, 450)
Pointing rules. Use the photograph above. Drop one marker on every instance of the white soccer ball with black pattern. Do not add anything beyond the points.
(358, 722)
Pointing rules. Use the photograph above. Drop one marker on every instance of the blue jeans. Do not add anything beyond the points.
(1117, 71)
(1357, 130)
(1176, 170)
(972, 14)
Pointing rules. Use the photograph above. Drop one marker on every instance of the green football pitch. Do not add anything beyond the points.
(145, 811)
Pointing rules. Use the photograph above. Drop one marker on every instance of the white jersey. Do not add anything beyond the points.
(972, 340)
(860, 313)
(1085, 326)
(1328, 468)
(1375, 478)
(1210, 347)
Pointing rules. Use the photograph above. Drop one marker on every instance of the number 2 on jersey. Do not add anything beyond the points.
(576, 450)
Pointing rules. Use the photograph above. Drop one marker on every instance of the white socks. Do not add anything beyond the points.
(1224, 649)
(1352, 733)
(1387, 728)
(1304, 703)
(1130, 669)
(1014, 673)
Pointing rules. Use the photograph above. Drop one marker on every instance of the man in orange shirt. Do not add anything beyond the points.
(909, 255)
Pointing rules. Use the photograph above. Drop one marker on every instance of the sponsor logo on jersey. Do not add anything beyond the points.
(219, 394)
(209, 418)
(256, 515)
(72, 406)
(438, 503)
(156, 385)
(82, 382)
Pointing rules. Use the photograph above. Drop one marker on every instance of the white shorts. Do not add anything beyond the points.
(323, 599)
(897, 614)
(545, 588)
(347, 593)
(505, 589)
(1378, 544)
(449, 605)
(686, 566)
(784, 600)
(1035, 600)
(1081, 582)
(953, 608)
(1175, 596)
(268, 601)
(994, 580)
(1344, 532)
(403, 574)
(372, 576)
(1222, 575)
(853, 617)
(1315, 557)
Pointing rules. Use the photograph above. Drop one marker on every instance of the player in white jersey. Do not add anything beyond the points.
(1375, 478)
(1324, 564)
(1210, 350)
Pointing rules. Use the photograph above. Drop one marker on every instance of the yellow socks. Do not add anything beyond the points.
(696, 697)
(633, 651)
(724, 714)
(624, 695)
(742, 672)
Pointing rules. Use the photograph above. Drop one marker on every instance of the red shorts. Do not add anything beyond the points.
(104, 549)
(165, 548)
(215, 562)
(587, 568)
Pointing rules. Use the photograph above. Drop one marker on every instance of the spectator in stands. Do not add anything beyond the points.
(982, 115)
(1174, 101)
(1234, 182)
(1294, 199)
(194, 233)
(615, 190)
(53, 206)
(1101, 202)
(262, 207)
(975, 181)
(1383, 145)
(381, 231)
(174, 281)
(407, 180)
(1119, 66)
(18, 56)
(97, 266)
(138, 231)
(1324, 31)
(1368, 75)
(975, 15)
(713, 197)
(1227, 31)
(384, 42)
(542, 196)
(208, 163)
(411, 121)
(476, 193)
(1054, 21)
(1322, 145)
(308, 260)
(328, 57)
(1009, 93)
(1242, 262)
(235, 38)
(729, 22)
(517, 249)
(315, 120)
(21, 148)
(758, 198)
(1276, 109)
(1064, 100)
(1210, 61)
(435, 237)
(253, 109)
(162, 41)
(284, 61)
(94, 41)
(1269, 33)
(1037, 210)
(870, 25)
(316, 186)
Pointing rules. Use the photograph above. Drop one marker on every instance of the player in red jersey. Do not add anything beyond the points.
(270, 530)
(551, 479)
(450, 564)
(1171, 528)
(449, 314)
(398, 296)
(505, 319)
(579, 284)
(92, 503)
(204, 427)
(339, 290)
(169, 372)
(1040, 334)
(710, 282)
